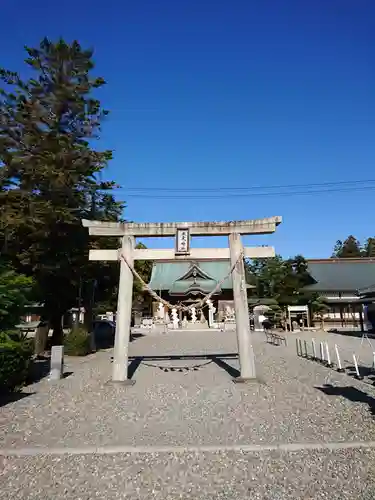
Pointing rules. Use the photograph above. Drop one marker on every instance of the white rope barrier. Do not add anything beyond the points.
(346, 356)
(338, 359)
(327, 354)
(322, 352)
(356, 366)
(324, 357)
(313, 347)
(300, 346)
(297, 347)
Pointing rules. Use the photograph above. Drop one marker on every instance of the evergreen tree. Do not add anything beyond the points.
(349, 248)
(337, 249)
(49, 171)
(15, 290)
(369, 248)
(282, 280)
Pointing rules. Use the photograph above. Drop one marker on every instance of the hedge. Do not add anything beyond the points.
(77, 342)
(15, 360)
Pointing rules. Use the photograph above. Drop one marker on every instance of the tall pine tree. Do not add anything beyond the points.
(49, 170)
(350, 248)
(369, 248)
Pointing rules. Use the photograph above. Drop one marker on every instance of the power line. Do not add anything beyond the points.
(249, 188)
(247, 195)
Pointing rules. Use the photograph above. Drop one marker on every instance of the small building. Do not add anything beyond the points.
(338, 282)
(32, 313)
(367, 297)
(186, 282)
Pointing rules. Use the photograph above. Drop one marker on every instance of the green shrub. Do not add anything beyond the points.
(11, 335)
(77, 342)
(15, 360)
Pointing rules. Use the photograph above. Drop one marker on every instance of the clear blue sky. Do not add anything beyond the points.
(214, 94)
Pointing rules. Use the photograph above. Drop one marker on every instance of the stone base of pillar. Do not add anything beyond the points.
(125, 383)
(243, 380)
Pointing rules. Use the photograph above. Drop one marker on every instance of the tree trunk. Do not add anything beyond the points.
(56, 325)
(41, 338)
(88, 323)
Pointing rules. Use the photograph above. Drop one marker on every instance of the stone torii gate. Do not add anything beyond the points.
(182, 231)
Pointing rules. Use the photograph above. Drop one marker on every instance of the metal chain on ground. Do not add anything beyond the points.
(197, 304)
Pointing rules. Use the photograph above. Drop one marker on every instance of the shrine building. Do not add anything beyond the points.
(188, 281)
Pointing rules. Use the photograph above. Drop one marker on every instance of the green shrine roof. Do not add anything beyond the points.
(188, 277)
(343, 275)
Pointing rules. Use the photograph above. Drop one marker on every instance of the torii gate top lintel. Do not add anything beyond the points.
(222, 228)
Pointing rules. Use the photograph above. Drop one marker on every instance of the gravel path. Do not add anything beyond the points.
(293, 401)
(268, 476)
(200, 407)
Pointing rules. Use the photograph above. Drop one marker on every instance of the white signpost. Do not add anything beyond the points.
(182, 251)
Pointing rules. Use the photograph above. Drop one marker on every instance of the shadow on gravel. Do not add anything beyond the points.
(233, 372)
(135, 336)
(351, 394)
(39, 369)
(218, 359)
(12, 397)
(133, 366)
(365, 371)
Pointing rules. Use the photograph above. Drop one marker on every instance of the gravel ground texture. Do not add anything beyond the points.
(294, 400)
(309, 475)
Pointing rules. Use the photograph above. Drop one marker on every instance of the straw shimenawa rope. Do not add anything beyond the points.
(197, 304)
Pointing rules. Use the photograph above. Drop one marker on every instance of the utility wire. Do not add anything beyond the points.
(246, 195)
(224, 192)
(250, 188)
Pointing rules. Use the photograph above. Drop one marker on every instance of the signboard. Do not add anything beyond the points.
(298, 309)
(182, 241)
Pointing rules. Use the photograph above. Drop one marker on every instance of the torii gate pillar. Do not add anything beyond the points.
(245, 348)
(124, 314)
(182, 231)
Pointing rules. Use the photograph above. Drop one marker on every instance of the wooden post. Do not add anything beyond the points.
(124, 310)
(245, 348)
